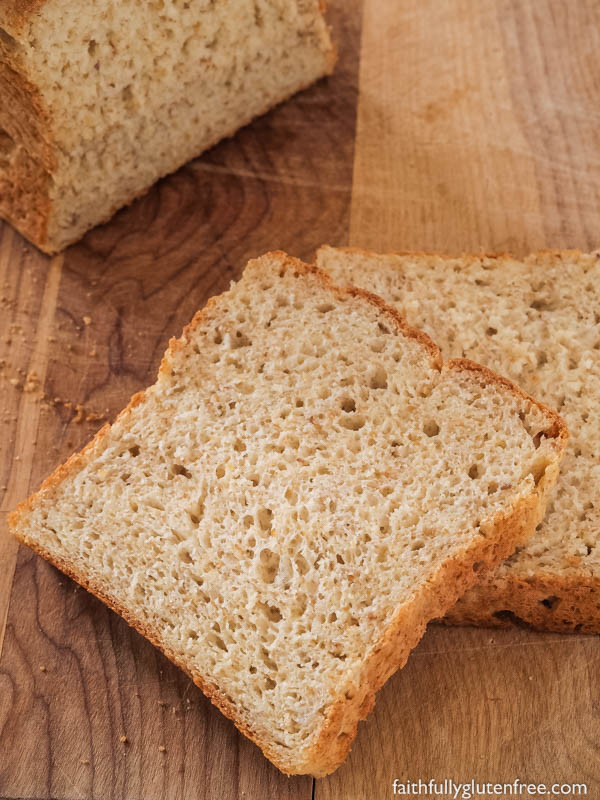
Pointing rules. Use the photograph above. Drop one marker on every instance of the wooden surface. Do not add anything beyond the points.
(453, 126)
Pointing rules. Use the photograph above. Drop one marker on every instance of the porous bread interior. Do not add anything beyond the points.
(300, 471)
(538, 322)
(133, 90)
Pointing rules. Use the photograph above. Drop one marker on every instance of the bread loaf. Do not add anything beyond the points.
(98, 102)
(301, 490)
(537, 321)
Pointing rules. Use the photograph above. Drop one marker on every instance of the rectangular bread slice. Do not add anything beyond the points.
(302, 489)
(99, 101)
(537, 321)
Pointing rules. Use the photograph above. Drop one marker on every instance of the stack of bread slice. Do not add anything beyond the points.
(537, 321)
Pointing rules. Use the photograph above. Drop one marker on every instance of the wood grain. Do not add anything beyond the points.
(93, 326)
(477, 129)
(478, 126)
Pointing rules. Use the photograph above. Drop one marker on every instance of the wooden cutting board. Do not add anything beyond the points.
(450, 125)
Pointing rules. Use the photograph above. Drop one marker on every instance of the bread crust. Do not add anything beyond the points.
(543, 601)
(499, 537)
(15, 14)
(25, 179)
(531, 257)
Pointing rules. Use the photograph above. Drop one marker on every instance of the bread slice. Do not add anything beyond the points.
(98, 102)
(301, 490)
(538, 322)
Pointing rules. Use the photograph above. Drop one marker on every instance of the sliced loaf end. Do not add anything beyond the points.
(93, 113)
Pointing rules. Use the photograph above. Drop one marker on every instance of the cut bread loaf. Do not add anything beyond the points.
(536, 321)
(301, 490)
(97, 103)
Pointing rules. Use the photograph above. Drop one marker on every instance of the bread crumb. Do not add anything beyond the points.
(42, 668)
(162, 748)
(123, 739)
(32, 382)
(84, 761)
(87, 320)
(162, 703)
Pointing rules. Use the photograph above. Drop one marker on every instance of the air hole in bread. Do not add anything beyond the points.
(153, 503)
(348, 405)
(431, 428)
(220, 471)
(267, 660)
(134, 451)
(272, 613)
(550, 602)
(324, 308)
(543, 304)
(353, 423)
(474, 471)
(268, 566)
(301, 564)
(378, 379)
(538, 471)
(491, 331)
(264, 517)
(179, 469)
(216, 641)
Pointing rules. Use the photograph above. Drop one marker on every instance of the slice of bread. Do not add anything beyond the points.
(538, 322)
(98, 102)
(301, 490)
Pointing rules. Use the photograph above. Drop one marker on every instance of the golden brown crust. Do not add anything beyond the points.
(15, 14)
(28, 159)
(499, 537)
(472, 257)
(543, 601)
(558, 427)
